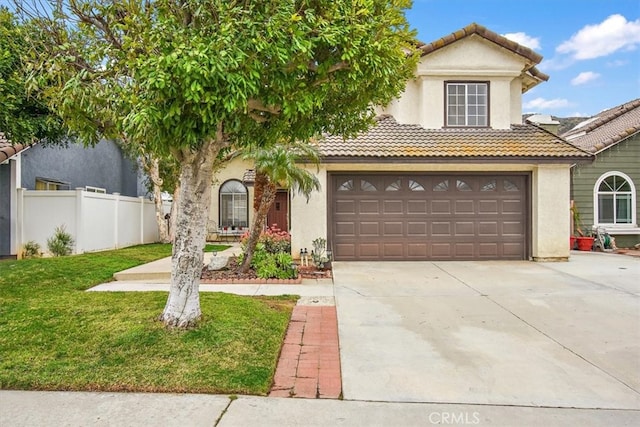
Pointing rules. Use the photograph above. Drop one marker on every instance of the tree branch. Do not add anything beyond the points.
(258, 105)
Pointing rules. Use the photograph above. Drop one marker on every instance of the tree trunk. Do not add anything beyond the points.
(268, 196)
(152, 165)
(196, 174)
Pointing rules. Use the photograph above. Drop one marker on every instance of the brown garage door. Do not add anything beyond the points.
(428, 217)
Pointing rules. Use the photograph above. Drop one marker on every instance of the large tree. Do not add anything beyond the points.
(189, 78)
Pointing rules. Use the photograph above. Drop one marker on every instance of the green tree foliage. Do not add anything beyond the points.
(190, 78)
(23, 118)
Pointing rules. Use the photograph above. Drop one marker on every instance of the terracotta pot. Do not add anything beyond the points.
(585, 243)
(572, 242)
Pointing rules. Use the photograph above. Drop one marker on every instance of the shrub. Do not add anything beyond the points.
(61, 243)
(273, 239)
(278, 266)
(31, 249)
(272, 257)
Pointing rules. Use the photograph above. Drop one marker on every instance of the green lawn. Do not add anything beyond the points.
(54, 336)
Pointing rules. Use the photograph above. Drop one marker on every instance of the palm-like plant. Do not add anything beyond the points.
(276, 167)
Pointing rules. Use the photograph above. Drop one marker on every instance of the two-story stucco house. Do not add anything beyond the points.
(448, 172)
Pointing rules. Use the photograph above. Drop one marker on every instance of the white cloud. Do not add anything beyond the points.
(524, 40)
(584, 77)
(546, 104)
(611, 35)
(617, 63)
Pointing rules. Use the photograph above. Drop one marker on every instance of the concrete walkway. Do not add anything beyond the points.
(492, 333)
(159, 271)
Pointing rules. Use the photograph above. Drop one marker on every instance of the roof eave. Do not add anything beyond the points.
(485, 33)
(587, 158)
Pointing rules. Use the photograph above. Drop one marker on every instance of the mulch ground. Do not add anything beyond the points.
(230, 273)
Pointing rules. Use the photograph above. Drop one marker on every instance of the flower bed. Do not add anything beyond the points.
(230, 275)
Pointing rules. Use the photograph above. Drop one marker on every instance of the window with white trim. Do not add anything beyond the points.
(233, 204)
(467, 104)
(614, 200)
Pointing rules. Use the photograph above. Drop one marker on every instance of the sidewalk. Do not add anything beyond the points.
(52, 409)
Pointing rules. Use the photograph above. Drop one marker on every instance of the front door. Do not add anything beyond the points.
(279, 213)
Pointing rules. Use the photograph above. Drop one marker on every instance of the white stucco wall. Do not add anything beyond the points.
(472, 59)
(550, 221)
(309, 218)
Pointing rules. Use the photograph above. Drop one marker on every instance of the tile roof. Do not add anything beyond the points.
(390, 139)
(607, 128)
(8, 150)
(473, 28)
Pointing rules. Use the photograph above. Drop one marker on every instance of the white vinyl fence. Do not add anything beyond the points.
(96, 221)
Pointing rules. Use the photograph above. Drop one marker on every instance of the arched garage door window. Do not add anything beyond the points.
(614, 199)
(233, 204)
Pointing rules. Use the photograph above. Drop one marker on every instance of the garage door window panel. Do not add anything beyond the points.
(415, 186)
(463, 186)
(346, 186)
(367, 186)
(510, 186)
(442, 186)
(489, 186)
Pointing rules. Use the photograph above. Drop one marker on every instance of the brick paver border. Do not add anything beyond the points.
(309, 364)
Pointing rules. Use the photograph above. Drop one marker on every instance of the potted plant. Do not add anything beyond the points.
(584, 240)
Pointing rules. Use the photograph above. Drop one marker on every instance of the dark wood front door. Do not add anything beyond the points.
(279, 213)
(428, 217)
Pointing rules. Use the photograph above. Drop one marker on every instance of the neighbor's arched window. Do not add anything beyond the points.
(614, 199)
(233, 204)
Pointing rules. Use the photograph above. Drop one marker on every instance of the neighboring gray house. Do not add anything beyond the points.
(9, 181)
(102, 168)
(605, 191)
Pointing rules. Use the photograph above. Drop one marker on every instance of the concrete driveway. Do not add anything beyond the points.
(501, 333)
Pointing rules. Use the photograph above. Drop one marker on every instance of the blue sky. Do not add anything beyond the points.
(591, 48)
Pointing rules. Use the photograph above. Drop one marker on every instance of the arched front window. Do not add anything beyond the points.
(233, 204)
(614, 199)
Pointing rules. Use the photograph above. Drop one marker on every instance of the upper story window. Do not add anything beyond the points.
(614, 199)
(467, 104)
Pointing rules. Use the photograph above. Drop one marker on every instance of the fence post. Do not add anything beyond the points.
(18, 231)
(79, 220)
(116, 222)
(141, 219)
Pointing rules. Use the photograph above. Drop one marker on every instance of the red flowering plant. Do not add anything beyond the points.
(272, 257)
(273, 239)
